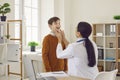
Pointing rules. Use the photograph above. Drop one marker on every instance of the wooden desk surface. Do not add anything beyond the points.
(64, 78)
(72, 78)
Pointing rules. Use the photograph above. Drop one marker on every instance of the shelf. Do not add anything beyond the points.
(101, 60)
(14, 50)
(110, 36)
(110, 48)
(2, 44)
(100, 48)
(98, 36)
(107, 60)
(3, 22)
(1, 64)
(107, 38)
(110, 60)
(15, 39)
(118, 60)
(9, 78)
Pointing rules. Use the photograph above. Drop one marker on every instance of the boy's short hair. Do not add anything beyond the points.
(52, 19)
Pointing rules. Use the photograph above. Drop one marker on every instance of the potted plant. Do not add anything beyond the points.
(7, 36)
(117, 17)
(33, 44)
(4, 9)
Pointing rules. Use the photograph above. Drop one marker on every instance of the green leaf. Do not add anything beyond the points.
(32, 43)
(4, 8)
(6, 4)
(117, 17)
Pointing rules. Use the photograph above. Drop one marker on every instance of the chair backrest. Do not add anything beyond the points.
(29, 68)
(111, 75)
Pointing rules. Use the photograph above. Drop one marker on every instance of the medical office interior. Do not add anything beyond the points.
(27, 22)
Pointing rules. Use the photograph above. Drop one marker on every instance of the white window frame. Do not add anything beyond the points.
(21, 16)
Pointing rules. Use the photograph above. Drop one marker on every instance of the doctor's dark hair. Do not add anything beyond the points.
(53, 19)
(85, 30)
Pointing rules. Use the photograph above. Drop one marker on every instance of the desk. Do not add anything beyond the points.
(37, 61)
(37, 58)
(64, 78)
(10, 78)
(72, 78)
(60, 75)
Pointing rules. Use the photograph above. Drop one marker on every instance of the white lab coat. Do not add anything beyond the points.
(77, 59)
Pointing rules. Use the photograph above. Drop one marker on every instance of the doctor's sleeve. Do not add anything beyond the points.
(66, 53)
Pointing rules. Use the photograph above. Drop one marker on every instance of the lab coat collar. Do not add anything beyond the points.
(78, 39)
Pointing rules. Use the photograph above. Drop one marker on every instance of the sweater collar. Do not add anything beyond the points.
(52, 33)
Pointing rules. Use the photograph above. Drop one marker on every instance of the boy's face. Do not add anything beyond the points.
(55, 25)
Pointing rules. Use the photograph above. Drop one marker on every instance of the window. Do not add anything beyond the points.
(28, 11)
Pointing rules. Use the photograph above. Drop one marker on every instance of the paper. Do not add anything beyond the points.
(55, 74)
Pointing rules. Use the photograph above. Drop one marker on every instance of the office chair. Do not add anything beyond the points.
(107, 75)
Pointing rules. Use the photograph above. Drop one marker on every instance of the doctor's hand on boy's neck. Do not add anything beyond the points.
(61, 36)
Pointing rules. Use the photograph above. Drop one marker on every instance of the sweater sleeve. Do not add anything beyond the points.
(45, 52)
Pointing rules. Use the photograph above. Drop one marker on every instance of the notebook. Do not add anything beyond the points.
(31, 71)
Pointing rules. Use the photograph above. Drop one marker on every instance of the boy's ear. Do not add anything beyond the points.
(49, 25)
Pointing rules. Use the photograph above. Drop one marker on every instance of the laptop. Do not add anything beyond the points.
(31, 72)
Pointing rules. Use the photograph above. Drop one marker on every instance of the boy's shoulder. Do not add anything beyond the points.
(47, 36)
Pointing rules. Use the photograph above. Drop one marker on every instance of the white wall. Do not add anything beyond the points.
(93, 11)
(11, 2)
(62, 10)
(47, 11)
(73, 11)
(10, 16)
(59, 10)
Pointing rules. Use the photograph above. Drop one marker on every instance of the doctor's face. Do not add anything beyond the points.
(55, 25)
(78, 35)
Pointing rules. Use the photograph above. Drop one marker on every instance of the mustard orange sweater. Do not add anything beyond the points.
(50, 60)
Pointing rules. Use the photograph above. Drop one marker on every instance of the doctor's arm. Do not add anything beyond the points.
(66, 42)
(66, 53)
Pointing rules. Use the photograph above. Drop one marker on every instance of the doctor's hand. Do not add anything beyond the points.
(58, 34)
(63, 34)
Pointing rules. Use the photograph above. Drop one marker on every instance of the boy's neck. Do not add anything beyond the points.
(52, 33)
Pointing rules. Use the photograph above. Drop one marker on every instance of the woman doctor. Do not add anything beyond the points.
(82, 55)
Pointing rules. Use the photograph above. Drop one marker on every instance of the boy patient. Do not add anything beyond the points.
(49, 44)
